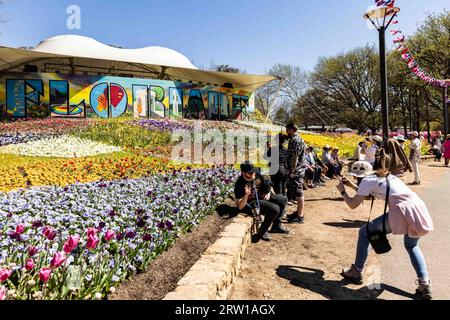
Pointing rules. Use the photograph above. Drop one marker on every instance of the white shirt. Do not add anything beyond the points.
(370, 154)
(416, 145)
(376, 186)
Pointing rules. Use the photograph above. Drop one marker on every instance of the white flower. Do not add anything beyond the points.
(98, 296)
(62, 147)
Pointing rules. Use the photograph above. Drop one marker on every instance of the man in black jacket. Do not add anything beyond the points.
(252, 190)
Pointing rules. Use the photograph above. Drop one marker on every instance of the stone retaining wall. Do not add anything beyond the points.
(211, 277)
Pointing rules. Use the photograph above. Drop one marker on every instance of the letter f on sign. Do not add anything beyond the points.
(74, 19)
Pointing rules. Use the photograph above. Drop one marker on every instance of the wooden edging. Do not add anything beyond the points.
(212, 276)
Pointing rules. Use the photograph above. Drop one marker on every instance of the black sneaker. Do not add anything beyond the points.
(297, 219)
(257, 237)
(291, 215)
(279, 229)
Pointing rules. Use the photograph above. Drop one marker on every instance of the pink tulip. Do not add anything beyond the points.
(2, 294)
(58, 260)
(29, 265)
(5, 274)
(71, 244)
(44, 274)
(109, 235)
(91, 232)
(20, 228)
(49, 233)
(32, 251)
(92, 242)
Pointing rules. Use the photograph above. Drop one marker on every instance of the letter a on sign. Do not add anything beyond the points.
(74, 19)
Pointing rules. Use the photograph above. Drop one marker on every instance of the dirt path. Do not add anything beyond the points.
(306, 264)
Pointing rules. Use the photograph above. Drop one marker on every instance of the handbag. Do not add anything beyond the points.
(378, 239)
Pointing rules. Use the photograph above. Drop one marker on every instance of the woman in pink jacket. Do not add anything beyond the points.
(407, 215)
(446, 147)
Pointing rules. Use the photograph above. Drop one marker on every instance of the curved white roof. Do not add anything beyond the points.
(79, 46)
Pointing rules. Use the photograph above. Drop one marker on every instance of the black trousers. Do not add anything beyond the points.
(279, 181)
(272, 210)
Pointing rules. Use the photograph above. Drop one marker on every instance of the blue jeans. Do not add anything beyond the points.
(411, 245)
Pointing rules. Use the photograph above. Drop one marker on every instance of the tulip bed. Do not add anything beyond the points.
(81, 241)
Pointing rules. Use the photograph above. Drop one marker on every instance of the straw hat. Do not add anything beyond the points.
(327, 146)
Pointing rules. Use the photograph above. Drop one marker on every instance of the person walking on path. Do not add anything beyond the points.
(414, 156)
(408, 216)
(295, 162)
(446, 147)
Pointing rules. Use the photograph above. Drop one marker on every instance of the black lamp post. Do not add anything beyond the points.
(381, 17)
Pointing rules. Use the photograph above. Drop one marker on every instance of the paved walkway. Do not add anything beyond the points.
(397, 272)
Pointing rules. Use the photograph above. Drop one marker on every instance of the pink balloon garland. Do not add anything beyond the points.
(406, 54)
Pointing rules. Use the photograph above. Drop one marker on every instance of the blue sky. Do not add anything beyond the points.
(248, 34)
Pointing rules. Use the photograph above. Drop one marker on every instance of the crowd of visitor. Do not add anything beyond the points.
(377, 166)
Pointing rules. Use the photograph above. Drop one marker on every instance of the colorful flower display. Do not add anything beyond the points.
(16, 138)
(20, 172)
(79, 241)
(61, 147)
(49, 126)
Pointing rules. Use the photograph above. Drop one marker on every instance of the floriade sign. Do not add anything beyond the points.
(407, 55)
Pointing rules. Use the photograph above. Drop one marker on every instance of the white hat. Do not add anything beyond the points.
(377, 138)
(414, 133)
(361, 169)
(400, 138)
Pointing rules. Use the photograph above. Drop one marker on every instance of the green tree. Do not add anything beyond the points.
(350, 83)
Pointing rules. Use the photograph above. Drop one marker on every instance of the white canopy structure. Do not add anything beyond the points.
(85, 56)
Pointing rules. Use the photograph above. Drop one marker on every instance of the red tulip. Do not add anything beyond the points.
(44, 274)
(58, 260)
(5, 274)
(29, 265)
(71, 244)
(109, 235)
(32, 251)
(92, 242)
(91, 232)
(20, 228)
(49, 233)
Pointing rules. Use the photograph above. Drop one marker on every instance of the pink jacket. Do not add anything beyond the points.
(446, 146)
(409, 215)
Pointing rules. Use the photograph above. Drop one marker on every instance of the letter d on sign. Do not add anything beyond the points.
(74, 19)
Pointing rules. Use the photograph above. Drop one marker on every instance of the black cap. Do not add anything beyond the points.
(247, 167)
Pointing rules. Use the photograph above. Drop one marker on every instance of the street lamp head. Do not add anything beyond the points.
(381, 16)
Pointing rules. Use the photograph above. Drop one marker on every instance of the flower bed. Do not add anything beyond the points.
(49, 126)
(62, 147)
(161, 125)
(121, 133)
(16, 138)
(21, 172)
(81, 241)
